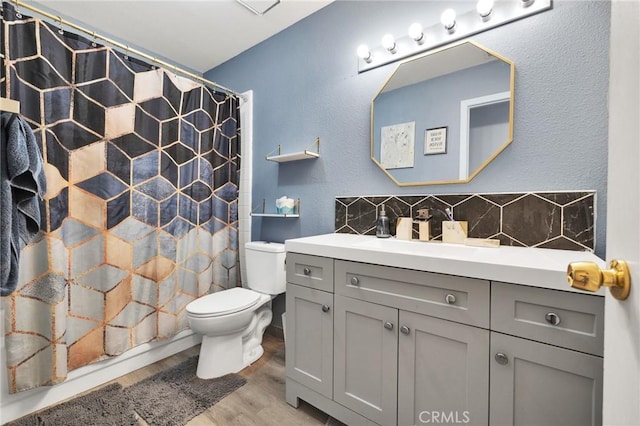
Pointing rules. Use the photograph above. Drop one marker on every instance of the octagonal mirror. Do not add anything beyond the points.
(443, 116)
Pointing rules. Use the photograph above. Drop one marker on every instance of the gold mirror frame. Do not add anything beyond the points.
(474, 173)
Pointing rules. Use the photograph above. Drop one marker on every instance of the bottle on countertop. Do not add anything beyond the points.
(382, 225)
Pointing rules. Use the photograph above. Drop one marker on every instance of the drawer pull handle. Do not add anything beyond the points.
(405, 330)
(552, 318)
(325, 308)
(501, 358)
(388, 325)
(450, 299)
(307, 271)
(355, 281)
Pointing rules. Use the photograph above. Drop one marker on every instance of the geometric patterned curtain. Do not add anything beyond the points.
(142, 170)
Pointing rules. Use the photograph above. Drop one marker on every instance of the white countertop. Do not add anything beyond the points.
(545, 268)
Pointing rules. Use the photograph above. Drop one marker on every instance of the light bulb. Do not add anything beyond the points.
(448, 19)
(484, 8)
(389, 43)
(415, 32)
(364, 53)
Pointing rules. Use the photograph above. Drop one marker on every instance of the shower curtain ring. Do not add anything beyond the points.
(60, 30)
(126, 53)
(93, 41)
(18, 14)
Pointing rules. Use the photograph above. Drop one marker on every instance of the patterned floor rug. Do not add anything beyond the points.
(171, 397)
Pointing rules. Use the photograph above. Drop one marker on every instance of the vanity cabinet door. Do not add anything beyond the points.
(443, 374)
(538, 384)
(309, 348)
(366, 355)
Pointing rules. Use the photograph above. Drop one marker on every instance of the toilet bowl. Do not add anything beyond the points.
(232, 322)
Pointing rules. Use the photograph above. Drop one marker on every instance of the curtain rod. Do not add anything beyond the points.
(126, 48)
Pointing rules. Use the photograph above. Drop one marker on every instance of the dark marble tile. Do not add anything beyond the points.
(563, 198)
(562, 244)
(341, 215)
(531, 220)
(505, 240)
(483, 217)
(436, 210)
(579, 221)
(452, 200)
(502, 199)
(361, 215)
(395, 208)
(377, 201)
(347, 200)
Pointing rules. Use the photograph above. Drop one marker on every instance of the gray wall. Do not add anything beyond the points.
(306, 84)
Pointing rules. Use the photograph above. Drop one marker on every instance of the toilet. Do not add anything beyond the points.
(233, 321)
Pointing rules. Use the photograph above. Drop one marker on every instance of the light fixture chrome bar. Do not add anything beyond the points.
(466, 25)
(256, 11)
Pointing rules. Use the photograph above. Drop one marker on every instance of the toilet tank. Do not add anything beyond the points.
(265, 267)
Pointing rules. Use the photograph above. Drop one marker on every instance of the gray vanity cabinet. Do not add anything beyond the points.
(538, 384)
(441, 371)
(366, 359)
(309, 350)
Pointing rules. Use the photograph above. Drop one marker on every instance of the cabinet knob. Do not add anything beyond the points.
(325, 308)
(355, 281)
(388, 325)
(450, 299)
(501, 358)
(405, 330)
(552, 318)
(307, 271)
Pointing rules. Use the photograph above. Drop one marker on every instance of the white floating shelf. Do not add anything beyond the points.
(295, 156)
(274, 215)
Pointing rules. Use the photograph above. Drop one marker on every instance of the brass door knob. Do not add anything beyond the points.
(589, 277)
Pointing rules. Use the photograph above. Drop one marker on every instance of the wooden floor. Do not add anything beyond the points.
(259, 402)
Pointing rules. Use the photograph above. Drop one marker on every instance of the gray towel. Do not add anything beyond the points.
(22, 186)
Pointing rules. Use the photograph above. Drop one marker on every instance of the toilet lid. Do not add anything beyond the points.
(224, 302)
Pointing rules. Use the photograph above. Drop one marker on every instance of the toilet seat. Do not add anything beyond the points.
(223, 302)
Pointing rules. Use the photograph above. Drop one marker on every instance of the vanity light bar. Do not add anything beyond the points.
(485, 16)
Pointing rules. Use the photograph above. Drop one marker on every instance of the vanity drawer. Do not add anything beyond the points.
(566, 319)
(460, 299)
(310, 271)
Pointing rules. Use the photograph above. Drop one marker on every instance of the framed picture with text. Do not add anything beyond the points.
(435, 141)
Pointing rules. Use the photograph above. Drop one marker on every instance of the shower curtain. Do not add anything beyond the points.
(142, 170)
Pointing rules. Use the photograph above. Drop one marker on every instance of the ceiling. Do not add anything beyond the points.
(195, 34)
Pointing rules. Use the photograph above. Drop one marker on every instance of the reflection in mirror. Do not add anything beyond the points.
(441, 117)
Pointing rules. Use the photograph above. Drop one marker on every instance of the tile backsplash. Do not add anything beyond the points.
(556, 220)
